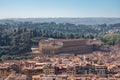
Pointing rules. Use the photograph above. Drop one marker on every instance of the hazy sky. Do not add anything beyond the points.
(59, 8)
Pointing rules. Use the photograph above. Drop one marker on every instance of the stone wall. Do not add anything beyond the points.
(67, 43)
(69, 46)
(75, 49)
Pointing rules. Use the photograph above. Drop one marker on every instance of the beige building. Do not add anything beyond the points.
(76, 46)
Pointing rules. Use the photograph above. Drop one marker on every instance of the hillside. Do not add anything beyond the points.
(86, 21)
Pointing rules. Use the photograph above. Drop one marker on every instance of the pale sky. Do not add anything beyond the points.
(59, 8)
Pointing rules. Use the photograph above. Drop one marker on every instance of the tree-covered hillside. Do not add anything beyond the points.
(18, 38)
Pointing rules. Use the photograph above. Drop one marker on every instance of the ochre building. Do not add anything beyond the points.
(73, 46)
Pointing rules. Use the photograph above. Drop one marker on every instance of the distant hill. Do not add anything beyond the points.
(86, 21)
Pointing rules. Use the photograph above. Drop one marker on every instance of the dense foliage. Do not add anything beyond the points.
(111, 39)
(18, 38)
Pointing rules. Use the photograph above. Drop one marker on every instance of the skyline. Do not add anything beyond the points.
(59, 8)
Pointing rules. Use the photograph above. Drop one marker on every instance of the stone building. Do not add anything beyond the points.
(4, 71)
(49, 70)
(99, 70)
(71, 70)
(76, 46)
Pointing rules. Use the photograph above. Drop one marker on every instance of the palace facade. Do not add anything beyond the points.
(73, 46)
